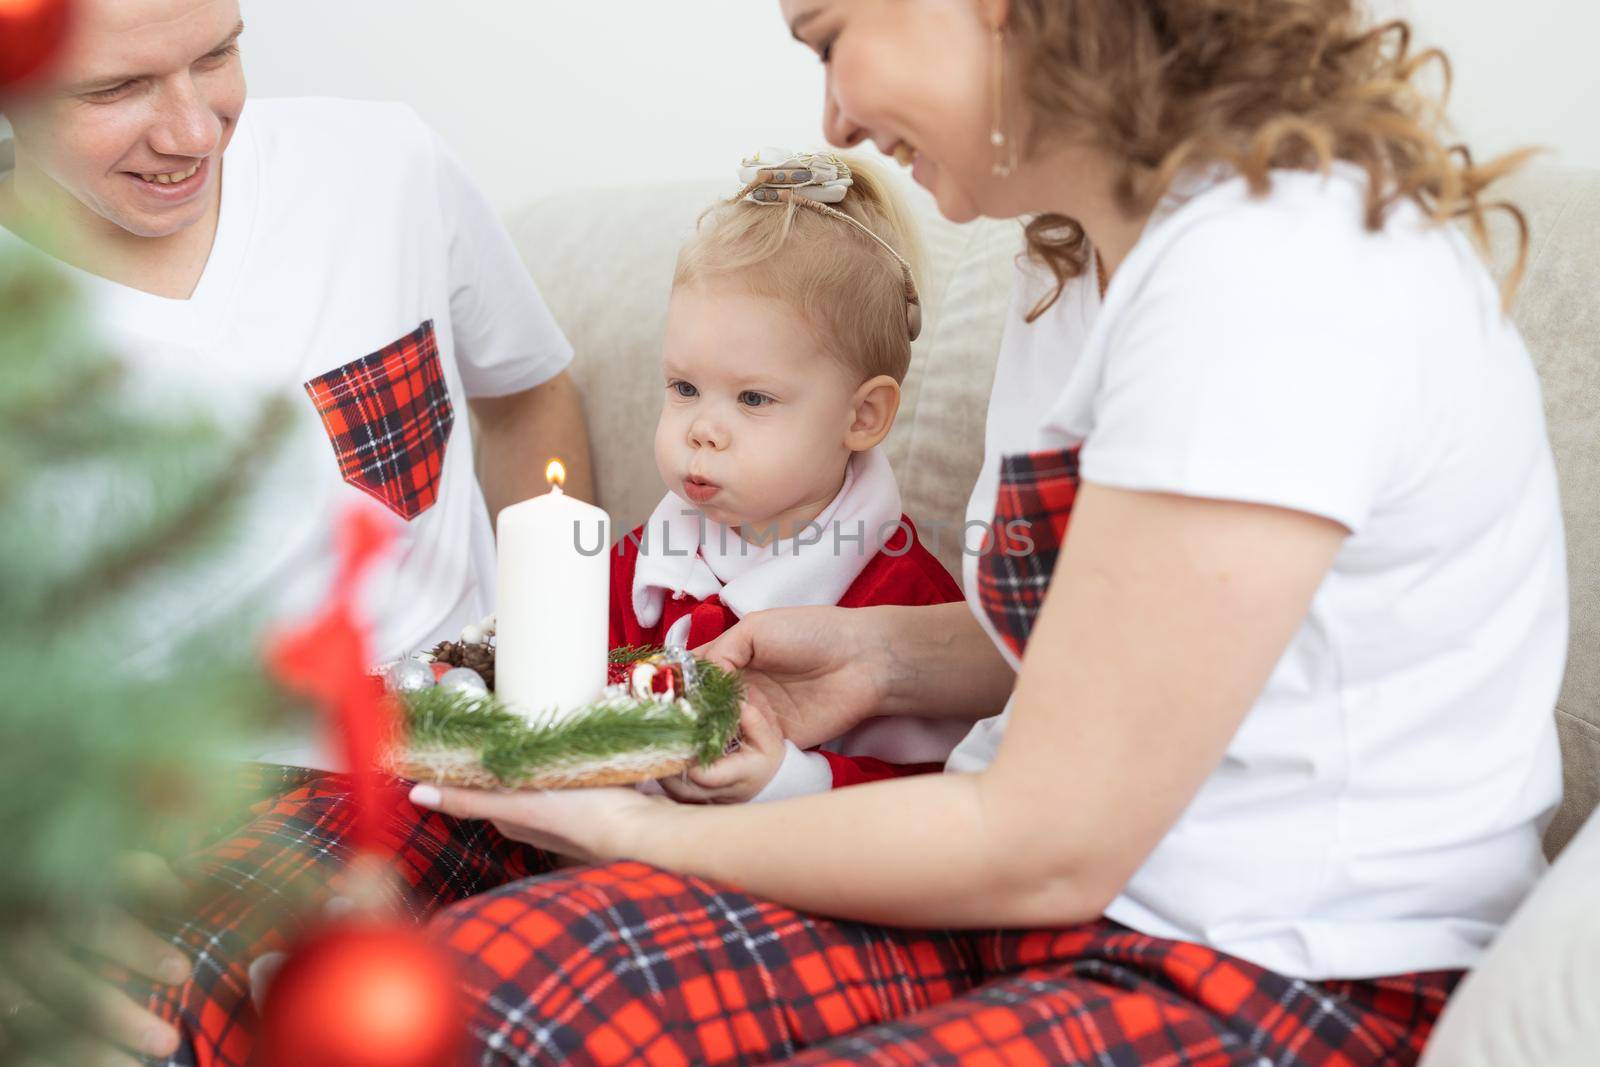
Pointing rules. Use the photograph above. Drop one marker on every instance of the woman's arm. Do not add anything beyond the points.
(941, 664)
(1165, 618)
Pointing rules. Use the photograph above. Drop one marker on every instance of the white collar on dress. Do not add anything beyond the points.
(684, 553)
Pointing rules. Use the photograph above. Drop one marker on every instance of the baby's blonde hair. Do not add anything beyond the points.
(831, 273)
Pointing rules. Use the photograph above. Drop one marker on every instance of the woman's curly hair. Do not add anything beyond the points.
(1254, 85)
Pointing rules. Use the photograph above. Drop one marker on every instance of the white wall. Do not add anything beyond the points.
(541, 95)
(1525, 71)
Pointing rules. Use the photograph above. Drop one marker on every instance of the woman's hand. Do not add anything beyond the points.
(816, 672)
(58, 1006)
(589, 825)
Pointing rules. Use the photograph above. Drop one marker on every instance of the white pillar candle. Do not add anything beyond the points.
(554, 602)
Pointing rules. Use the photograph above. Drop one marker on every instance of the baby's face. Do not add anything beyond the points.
(754, 414)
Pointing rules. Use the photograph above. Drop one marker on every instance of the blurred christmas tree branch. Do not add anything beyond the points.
(185, 529)
(108, 495)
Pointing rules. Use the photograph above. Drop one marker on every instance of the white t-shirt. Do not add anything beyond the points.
(1379, 810)
(345, 229)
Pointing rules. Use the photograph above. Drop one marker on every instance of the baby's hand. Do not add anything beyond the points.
(741, 774)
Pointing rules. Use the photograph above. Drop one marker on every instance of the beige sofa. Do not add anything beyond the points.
(604, 261)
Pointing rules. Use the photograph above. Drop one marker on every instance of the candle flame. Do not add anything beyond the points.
(556, 473)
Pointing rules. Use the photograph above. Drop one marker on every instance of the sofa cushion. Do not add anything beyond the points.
(1534, 1000)
(1559, 315)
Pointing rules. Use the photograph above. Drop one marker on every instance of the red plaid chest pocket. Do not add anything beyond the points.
(1034, 502)
(388, 416)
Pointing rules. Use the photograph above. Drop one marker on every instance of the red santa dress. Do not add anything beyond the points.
(681, 578)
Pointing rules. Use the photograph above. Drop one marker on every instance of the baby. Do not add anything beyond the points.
(788, 336)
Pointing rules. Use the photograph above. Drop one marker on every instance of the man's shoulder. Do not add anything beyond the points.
(318, 132)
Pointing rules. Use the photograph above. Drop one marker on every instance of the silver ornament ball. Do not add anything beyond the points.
(464, 680)
(410, 676)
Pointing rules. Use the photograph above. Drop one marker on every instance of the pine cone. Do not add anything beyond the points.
(479, 657)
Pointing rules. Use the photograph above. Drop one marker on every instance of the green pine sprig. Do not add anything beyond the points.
(632, 653)
(452, 719)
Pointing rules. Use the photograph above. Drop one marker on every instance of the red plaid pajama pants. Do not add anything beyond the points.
(630, 964)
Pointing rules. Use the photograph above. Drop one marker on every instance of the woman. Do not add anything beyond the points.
(1278, 741)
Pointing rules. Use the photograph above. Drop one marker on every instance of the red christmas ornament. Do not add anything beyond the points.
(363, 994)
(664, 682)
(31, 35)
(652, 676)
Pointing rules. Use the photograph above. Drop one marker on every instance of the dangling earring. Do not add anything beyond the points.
(1005, 147)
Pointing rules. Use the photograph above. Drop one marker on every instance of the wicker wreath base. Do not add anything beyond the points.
(462, 768)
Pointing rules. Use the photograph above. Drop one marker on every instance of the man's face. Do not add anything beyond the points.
(135, 118)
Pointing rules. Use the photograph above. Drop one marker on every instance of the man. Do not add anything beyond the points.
(334, 253)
